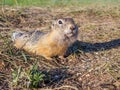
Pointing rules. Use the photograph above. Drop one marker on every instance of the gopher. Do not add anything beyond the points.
(62, 35)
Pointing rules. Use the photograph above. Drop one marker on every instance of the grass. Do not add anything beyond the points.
(95, 62)
(54, 2)
(33, 76)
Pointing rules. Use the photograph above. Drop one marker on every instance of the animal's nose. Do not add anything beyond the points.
(72, 28)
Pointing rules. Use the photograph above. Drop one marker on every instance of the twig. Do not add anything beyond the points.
(66, 86)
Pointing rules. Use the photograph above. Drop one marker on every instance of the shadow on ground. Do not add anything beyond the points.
(55, 76)
(94, 47)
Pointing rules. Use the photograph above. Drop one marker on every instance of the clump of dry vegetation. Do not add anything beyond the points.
(94, 62)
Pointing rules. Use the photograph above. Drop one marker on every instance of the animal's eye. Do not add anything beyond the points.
(60, 22)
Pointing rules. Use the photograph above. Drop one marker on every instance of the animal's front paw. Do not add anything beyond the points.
(62, 57)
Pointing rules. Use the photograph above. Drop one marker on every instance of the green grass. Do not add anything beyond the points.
(53, 2)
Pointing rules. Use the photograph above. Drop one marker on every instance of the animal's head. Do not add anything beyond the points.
(66, 26)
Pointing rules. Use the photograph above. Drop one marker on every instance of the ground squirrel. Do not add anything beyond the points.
(54, 43)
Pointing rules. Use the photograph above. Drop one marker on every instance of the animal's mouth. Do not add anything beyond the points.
(72, 31)
(71, 34)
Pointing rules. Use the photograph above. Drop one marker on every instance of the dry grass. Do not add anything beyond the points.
(94, 62)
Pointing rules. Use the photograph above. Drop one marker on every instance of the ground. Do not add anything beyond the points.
(94, 62)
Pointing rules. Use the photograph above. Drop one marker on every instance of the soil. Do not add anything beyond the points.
(94, 62)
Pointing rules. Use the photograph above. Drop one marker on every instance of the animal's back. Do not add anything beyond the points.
(35, 36)
(22, 38)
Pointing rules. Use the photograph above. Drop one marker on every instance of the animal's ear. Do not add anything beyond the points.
(16, 35)
(53, 23)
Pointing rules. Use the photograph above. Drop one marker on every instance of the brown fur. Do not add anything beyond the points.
(51, 44)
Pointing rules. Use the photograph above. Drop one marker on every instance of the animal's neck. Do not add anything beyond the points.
(56, 35)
